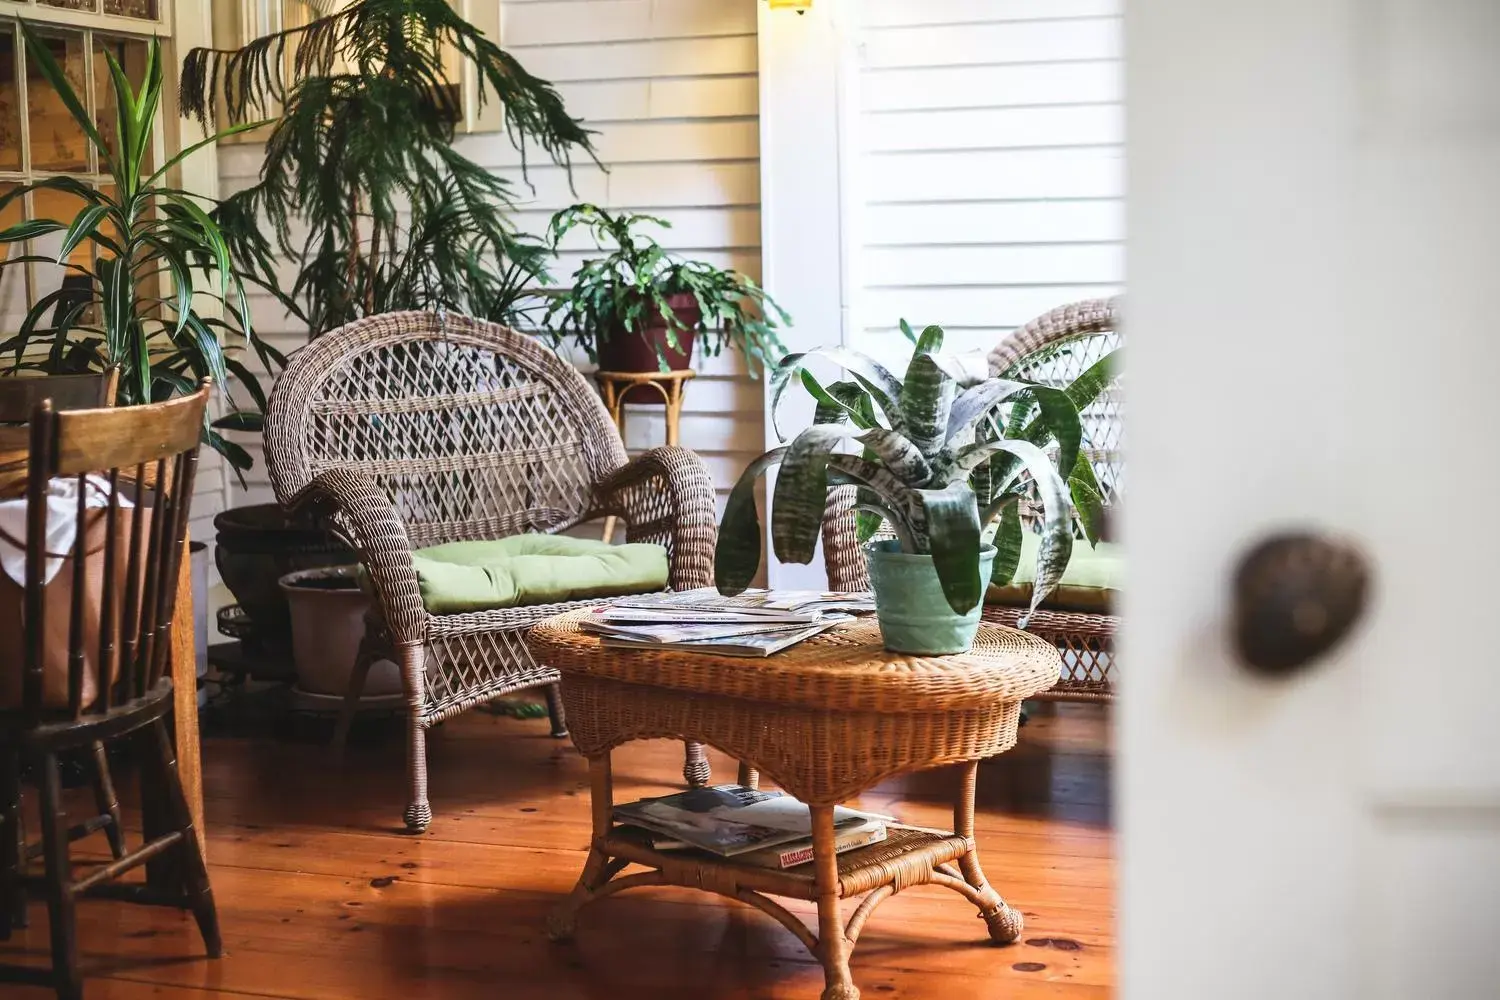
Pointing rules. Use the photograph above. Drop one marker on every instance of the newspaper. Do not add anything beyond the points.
(761, 642)
(756, 623)
(780, 605)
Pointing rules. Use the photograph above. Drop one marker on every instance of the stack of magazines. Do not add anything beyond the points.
(767, 829)
(755, 623)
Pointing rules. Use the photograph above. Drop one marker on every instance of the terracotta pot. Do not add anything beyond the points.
(622, 351)
(327, 611)
(256, 546)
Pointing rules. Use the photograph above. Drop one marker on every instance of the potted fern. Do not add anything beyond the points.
(640, 308)
(943, 461)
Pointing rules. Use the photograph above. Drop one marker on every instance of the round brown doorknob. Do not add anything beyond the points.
(1295, 597)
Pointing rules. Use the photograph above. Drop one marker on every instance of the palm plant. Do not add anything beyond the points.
(944, 460)
(147, 236)
(361, 185)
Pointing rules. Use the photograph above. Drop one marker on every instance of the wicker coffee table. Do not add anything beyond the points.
(825, 720)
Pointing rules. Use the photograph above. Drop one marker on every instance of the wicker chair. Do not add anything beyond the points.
(413, 429)
(1083, 332)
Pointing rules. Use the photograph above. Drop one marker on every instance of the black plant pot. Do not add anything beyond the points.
(256, 546)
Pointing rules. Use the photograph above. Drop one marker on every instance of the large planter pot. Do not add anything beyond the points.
(327, 613)
(914, 615)
(640, 351)
(256, 546)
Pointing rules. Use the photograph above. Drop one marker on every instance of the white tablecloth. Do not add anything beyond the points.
(62, 525)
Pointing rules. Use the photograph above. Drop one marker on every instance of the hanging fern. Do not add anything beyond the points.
(361, 185)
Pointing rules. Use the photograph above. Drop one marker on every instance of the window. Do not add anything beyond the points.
(39, 138)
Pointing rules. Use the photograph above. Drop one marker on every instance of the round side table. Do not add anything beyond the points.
(825, 719)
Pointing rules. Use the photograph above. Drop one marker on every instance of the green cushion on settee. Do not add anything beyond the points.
(525, 570)
(1093, 577)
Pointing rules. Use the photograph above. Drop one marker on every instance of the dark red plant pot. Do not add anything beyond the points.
(642, 351)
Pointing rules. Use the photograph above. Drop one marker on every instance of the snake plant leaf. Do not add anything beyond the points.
(737, 552)
(801, 492)
(872, 376)
(904, 459)
(1088, 498)
(1007, 543)
(952, 527)
(1057, 513)
(926, 400)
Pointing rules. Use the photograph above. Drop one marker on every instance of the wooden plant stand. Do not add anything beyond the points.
(826, 720)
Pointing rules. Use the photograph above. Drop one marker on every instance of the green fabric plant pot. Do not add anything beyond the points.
(914, 615)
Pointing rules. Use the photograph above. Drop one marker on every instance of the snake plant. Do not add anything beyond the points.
(943, 459)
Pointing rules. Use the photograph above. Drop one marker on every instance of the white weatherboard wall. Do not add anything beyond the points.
(670, 86)
(988, 163)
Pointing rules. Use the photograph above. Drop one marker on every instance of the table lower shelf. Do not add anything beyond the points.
(906, 855)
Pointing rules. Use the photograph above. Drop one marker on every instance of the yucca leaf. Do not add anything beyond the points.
(926, 401)
(30, 229)
(952, 528)
(737, 552)
(202, 143)
(36, 48)
(82, 228)
(1007, 544)
(209, 352)
(210, 235)
(249, 381)
(240, 420)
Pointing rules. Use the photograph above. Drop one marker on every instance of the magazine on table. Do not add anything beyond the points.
(779, 605)
(761, 642)
(731, 820)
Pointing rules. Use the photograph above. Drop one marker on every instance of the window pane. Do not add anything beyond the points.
(62, 207)
(71, 4)
(12, 276)
(10, 104)
(131, 55)
(144, 9)
(57, 141)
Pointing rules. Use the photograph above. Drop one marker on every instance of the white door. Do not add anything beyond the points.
(1313, 261)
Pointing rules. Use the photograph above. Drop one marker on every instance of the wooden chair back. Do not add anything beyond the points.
(98, 635)
(20, 394)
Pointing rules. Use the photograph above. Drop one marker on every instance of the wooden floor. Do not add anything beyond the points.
(321, 897)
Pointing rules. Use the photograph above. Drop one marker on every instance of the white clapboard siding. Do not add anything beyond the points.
(989, 164)
(670, 88)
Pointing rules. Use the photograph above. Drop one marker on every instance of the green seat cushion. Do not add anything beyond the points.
(526, 570)
(1093, 577)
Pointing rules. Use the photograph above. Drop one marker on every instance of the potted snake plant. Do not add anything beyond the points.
(944, 461)
(640, 308)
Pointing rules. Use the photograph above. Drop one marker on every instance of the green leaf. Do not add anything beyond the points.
(30, 229)
(926, 400)
(249, 380)
(974, 403)
(241, 420)
(1084, 389)
(802, 492)
(82, 228)
(36, 48)
(905, 461)
(1007, 544)
(1088, 499)
(836, 403)
(737, 552)
(931, 340)
(952, 525)
(906, 331)
(873, 377)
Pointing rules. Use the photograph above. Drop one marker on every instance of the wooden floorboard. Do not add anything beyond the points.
(322, 898)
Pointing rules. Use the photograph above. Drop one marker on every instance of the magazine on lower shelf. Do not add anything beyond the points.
(792, 853)
(732, 820)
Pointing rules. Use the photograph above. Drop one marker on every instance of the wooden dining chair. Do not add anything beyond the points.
(19, 395)
(94, 664)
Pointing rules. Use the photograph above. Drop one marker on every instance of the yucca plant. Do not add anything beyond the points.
(943, 459)
(157, 249)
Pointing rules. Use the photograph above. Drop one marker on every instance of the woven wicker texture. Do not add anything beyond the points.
(846, 669)
(413, 429)
(825, 719)
(1063, 344)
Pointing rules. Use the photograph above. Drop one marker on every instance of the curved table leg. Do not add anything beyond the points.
(833, 946)
(1004, 922)
(598, 869)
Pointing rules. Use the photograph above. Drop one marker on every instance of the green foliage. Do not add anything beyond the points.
(626, 291)
(361, 185)
(939, 459)
(156, 250)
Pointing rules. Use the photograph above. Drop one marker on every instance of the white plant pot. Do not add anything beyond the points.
(328, 621)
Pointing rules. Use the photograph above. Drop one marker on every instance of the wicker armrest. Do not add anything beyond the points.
(365, 516)
(666, 496)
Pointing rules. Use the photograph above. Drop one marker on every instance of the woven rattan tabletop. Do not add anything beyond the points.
(846, 668)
